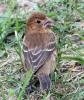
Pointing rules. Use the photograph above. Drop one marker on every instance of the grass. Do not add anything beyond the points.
(25, 83)
(66, 85)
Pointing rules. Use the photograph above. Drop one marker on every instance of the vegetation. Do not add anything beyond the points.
(68, 79)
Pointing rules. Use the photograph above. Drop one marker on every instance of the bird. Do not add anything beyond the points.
(39, 48)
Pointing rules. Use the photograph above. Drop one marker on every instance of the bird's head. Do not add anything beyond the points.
(39, 20)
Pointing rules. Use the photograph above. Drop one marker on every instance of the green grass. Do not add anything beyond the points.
(25, 83)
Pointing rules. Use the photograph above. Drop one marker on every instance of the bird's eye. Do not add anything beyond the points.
(38, 21)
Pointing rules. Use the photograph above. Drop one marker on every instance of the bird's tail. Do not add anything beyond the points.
(45, 82)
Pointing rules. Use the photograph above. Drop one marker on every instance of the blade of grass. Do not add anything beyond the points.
(26, 80)
(77, 58)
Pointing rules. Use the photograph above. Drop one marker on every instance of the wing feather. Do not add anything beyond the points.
(36, 57)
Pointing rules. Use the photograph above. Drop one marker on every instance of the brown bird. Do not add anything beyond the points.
(39, 48)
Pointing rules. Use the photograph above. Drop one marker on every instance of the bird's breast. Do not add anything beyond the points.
(37, 40)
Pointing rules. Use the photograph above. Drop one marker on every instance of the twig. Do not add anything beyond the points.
(69, 80)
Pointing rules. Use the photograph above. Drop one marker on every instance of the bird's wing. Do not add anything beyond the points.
(26, 57)
(36, 57)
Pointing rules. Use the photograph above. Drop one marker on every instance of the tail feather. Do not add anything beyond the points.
(45, 82)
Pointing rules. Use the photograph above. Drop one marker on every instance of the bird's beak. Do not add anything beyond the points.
(48, 22)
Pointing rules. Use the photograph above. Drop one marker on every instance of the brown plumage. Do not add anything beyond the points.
(39, 48)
